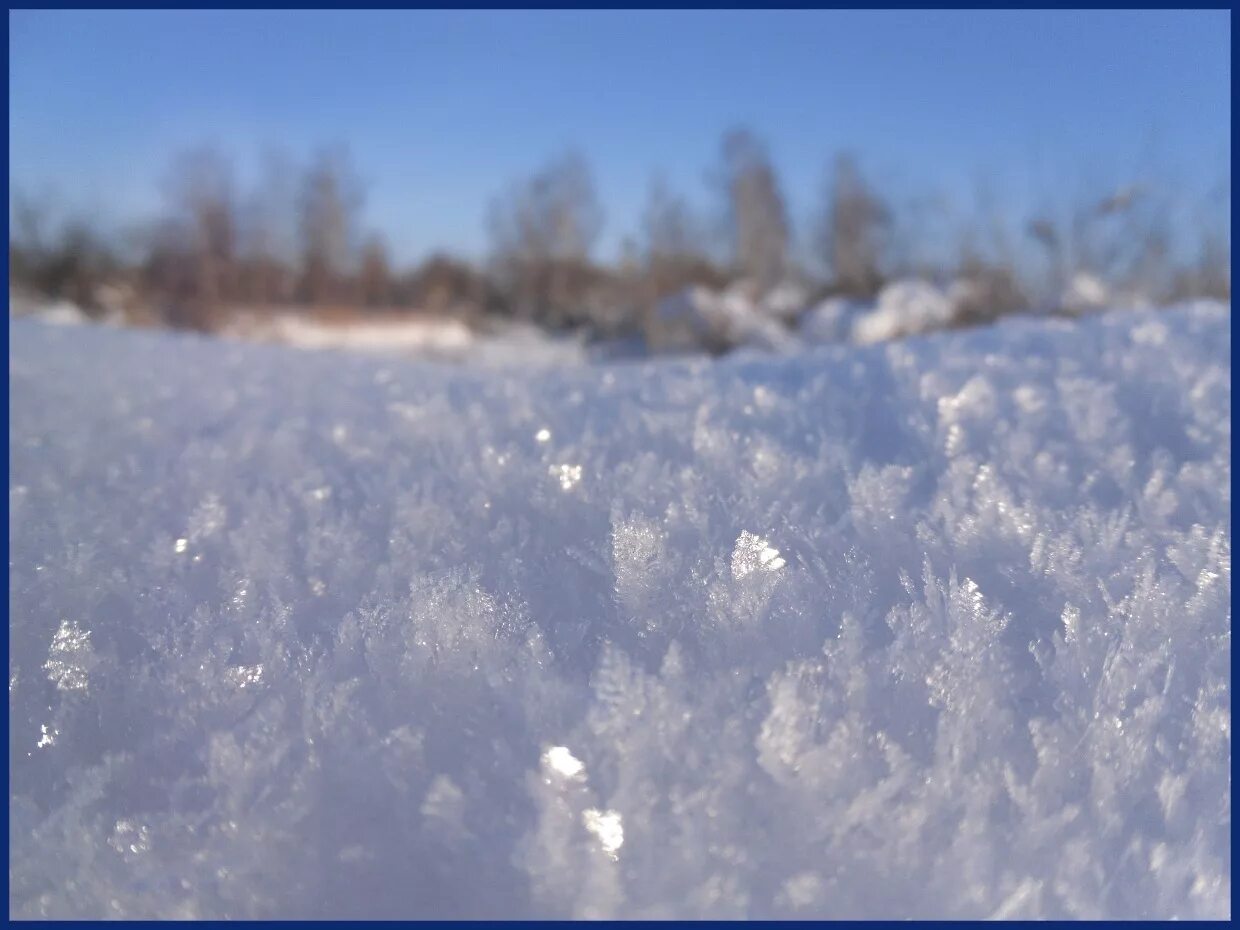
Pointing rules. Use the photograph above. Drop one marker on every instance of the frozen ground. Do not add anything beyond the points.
(935, 628)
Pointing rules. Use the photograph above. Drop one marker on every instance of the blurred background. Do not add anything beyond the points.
(552, 185)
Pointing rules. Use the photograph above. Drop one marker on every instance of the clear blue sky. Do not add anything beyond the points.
(441, 110)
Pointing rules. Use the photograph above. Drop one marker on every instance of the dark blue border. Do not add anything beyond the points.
(786, 5)
(698, 5)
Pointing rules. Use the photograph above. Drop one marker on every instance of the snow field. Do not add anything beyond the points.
(934, 628)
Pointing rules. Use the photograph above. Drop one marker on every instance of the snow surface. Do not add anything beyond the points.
(427, 338)
(937, 628)
(386, 336)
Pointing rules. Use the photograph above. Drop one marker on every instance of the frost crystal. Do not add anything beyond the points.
(245, 675)
(70, 658)
(607, 827)
(355, 628)
(47, 736)
(562, 762)
(753, 553)
(568, 475)
(130, 839)
(207, 519)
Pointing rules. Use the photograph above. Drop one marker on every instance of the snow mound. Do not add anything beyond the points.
(905, 308)
(784, 301)
(1085, 293)
(831, 320)
(938, 628)
(697, 318)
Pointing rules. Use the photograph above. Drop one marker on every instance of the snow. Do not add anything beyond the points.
(1085, 293)
(753, 553)
(785, 301)
(394, 336)
(411, 336)
(932, 628)
(905, 308)
(697, 318)
(59, 313)
(831, 320)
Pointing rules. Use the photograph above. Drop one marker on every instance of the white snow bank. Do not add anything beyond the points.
(395, 336)
(1085, 293)
(111, 311)
(785, 301)
(697, 318)
(831, 320)
(905, 308)
(938, 628)
(55, 313)
(509, 344)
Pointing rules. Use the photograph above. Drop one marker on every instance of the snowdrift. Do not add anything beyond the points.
(937, 628)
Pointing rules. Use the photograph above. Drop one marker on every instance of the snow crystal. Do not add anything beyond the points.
(608, 826)
(567, 475)
(130, 839)
(560, 760)
(444, 801)
(245, 675)
(207, 519)
(930, 629)
(47, 736)
(70, 658)
(753, 553)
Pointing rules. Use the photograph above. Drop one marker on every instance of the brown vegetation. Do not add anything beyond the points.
(297, 243)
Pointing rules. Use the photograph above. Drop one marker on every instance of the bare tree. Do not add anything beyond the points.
(1210, 274)
(757, 218)
(672, 244)
(1122, 241)
(446, 286)
(201, 196)
(68, 260)
(853, 231)
(669, 229)
(331, 200)
(201, 187)
(269, 233)
(28, 245)
(375, 277)
(542, 231)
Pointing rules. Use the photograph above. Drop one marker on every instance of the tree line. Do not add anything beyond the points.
(297, 239)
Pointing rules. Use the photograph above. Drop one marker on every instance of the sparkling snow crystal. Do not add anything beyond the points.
(753, 553)
(608, 827)
(70, 658)
(562, 762)
(937, 628)
(567, 475)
